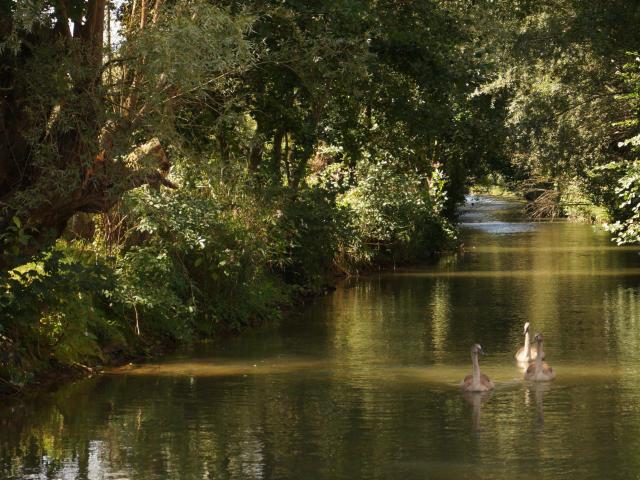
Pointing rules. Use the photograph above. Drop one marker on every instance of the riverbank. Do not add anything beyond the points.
(137, 351)
(171, 267)
(52, 376)
(547, 201)
(104, 341)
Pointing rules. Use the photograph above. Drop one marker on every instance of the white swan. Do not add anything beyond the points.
(476, 382)
(527, 352)
(539, 371)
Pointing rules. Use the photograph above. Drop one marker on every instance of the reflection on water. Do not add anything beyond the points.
(476, 399)
(363, 383)
(537, 390)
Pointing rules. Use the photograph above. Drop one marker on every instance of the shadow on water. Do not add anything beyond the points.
(363, 383)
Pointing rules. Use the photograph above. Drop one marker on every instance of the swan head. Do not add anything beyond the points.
(538, 338)
(476, 349)
(526, 327)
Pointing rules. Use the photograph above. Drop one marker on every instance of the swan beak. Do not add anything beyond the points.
(482, 352)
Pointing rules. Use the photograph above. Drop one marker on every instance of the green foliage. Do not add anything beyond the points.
(84, 122)
(14, 238)
(312, 227)
(578, 204)
(560, 75)
(148, 286)
(205, 256)
(396, 213)
(616, 185)
(626, 227)
(53, 312)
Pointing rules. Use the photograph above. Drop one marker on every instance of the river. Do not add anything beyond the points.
(363, 383)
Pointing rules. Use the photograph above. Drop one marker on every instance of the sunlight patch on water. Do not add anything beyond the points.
(501, 228)
(221, 368)
(552, 249)
(522, 273)
(504, 375)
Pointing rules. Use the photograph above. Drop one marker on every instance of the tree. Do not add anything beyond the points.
(83, 123)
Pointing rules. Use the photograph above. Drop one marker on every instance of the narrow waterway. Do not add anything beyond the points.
(363, 384)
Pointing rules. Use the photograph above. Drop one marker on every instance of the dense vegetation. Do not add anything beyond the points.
(569, 72)
(170, 170)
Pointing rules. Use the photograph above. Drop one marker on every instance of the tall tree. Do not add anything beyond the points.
(83, 123)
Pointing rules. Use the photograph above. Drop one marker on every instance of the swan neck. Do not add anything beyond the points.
(527, 344)
(476, 368)
(539, 358)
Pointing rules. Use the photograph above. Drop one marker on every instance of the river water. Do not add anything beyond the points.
(363, 383)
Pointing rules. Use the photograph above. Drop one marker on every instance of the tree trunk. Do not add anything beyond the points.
(277, 149)
(73, 166)
(256, 150)
(223, 146)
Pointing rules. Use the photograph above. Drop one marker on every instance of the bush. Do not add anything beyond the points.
(54, 312)
(312, 226)
(626, 226)
(396, 214)
(201, 258)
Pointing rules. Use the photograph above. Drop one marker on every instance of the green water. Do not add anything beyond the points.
(362, 384)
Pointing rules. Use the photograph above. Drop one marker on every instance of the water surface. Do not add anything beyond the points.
(362, 384)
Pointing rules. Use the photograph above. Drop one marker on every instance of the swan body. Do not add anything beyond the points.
(539, 371)
(476, 382)
(527, 352)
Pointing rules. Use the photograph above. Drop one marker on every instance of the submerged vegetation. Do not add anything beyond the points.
(171, 170)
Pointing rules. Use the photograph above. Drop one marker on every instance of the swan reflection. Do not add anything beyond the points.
(537, 391)
(476, 400)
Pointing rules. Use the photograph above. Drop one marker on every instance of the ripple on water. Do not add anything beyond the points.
(500, 228)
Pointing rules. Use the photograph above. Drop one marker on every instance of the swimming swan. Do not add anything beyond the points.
(539, 371)
(527, 352)
(476, 382)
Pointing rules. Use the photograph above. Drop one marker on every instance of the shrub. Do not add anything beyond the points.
(54, 311)
(396, 213)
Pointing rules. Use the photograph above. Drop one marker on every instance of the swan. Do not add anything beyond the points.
(476, 382)
(527, 352)
(539, 371)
